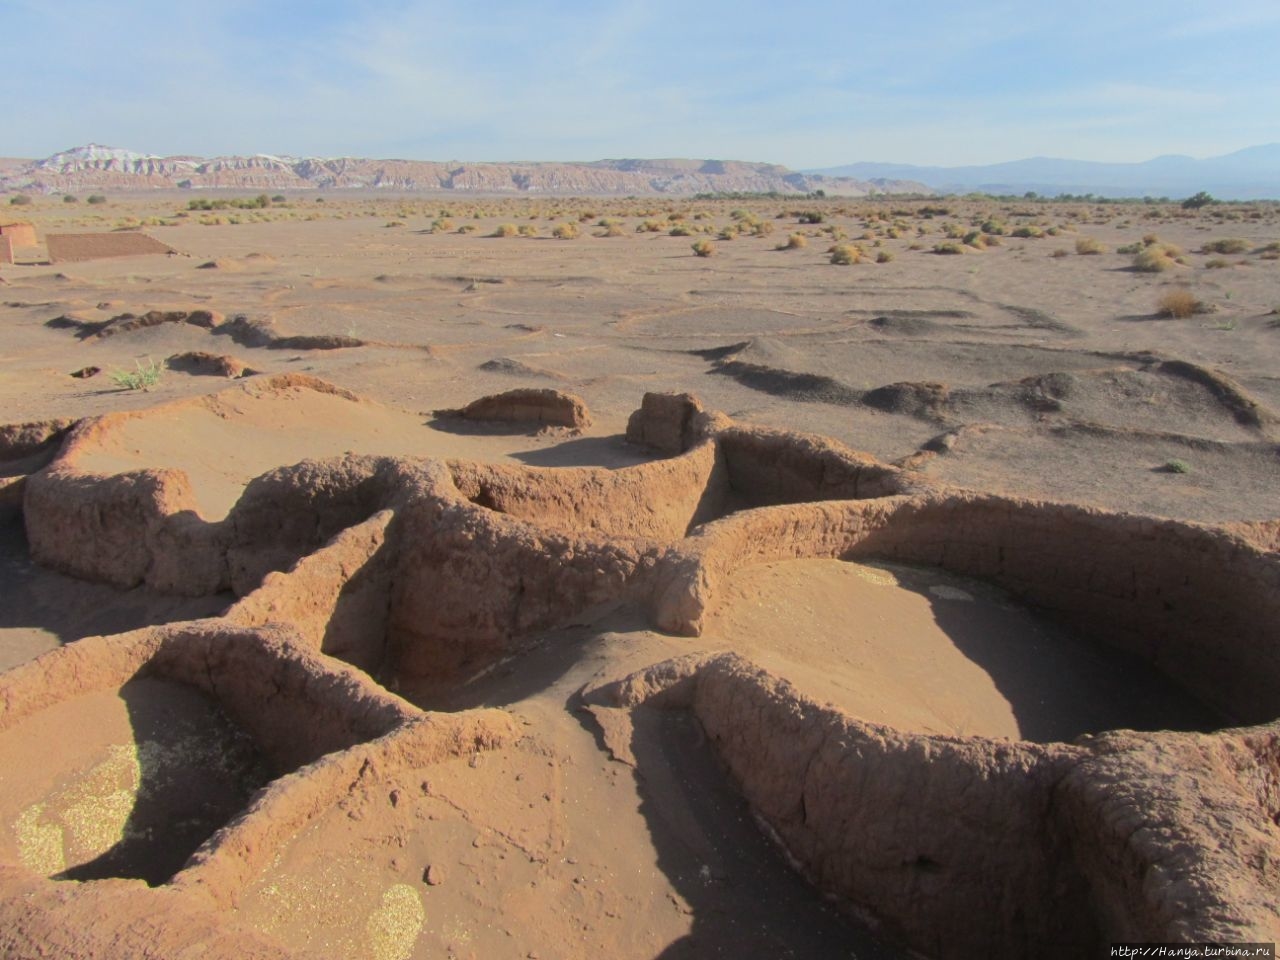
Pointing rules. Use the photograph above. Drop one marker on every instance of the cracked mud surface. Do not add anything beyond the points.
(349, 680)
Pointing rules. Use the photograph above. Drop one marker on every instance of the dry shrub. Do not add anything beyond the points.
(949, 248)
(797, 241)
(505, 230)
(1225, 246)
(1156, 258)
(1088, 247)
(846, 254)
(704, 248)
(565, 231)
(1178, 303)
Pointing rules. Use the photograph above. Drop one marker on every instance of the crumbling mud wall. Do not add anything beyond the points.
(360, 567)
(964, 847)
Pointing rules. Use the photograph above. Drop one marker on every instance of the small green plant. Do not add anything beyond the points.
(140, 378)
(96, 198)
(70, 198)
(1175, 466)
(704, 248)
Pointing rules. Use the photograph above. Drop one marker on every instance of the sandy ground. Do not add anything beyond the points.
(1026, 372)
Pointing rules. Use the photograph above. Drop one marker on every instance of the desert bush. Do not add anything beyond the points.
(95, 198)
(1225, 246)
(1271, 251)
(704, 248)
(1088, 246)
(762, 228)
(994, 227)
(612, 230)
(394, 223)
(1217, 263)
(884, 256)
(846, 254)
(1198, 200)
(505, 230)
(797, 241)
(527, 230)
(811, 216)
(565, 231)
(975, 239)
(649, 226)
(1175, 466)
(441, 225)
(70, 198)
(1156, 258)
(468, 228)
(1178, 303)
(680, 230)
(948, 248)
(1060, 252)
(728, 233)
(19, 200)
(1028, 232)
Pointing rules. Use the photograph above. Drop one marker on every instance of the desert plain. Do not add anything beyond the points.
(923, 603)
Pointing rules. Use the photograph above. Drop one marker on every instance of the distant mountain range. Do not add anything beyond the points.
(1249, 174)
(99, 168)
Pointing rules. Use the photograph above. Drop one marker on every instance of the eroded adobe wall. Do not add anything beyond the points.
(469, 583)
(660, 500)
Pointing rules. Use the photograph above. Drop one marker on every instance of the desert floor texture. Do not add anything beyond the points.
(928, 603)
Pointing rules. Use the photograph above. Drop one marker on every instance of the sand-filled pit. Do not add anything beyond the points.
(142, 776)
(922, 650)
(224, 441)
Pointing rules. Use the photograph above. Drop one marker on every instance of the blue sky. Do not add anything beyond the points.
(807, 85)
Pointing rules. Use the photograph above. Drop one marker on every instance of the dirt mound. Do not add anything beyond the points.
(204, 364)
(518, 368)
(527, 406)
(129, 322)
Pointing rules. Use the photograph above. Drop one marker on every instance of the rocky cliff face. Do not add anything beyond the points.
(106, 168)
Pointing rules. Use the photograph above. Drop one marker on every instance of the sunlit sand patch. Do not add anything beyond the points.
(153, 770)
(923, 650)
(337, 908)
